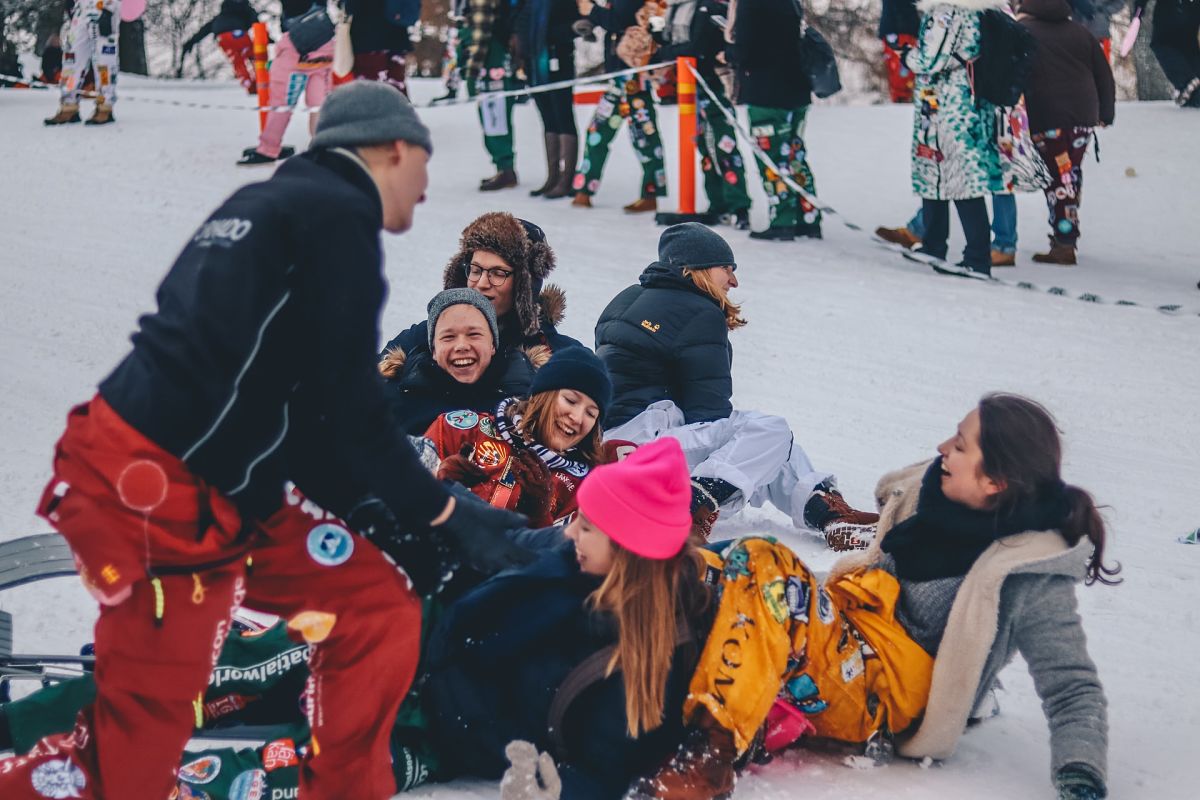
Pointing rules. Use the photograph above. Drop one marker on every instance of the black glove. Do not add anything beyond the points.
(1078, 783)
(478, 530)
(425, 558)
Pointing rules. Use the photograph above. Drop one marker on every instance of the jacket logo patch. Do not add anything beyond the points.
(330, 545)
(58, 779)
(202, 770)
(464, 420)
(488, 454)
(222, 232)
(250, 785)
(650, 326)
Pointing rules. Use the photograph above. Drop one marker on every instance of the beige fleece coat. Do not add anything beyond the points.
(1019, 596)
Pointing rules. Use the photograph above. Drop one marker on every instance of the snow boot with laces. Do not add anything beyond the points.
(642, 205)
(103, 115)
(68, 113)
(708, 495)
(1060, 253)
(504, 179)
(701, 769)
(844, 527)
(900, 236)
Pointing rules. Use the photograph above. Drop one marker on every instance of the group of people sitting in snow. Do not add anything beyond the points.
(640, 653)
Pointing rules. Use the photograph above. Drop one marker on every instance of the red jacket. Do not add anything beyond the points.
(488, 449)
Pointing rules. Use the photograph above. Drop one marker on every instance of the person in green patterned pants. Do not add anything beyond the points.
(487, 66)
(720, 162)
(780, 132)
(627, 98)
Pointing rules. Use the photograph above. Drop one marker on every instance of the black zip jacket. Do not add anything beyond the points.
(765, 55)
(665, 339)
(423, 391)
(706, 39)
(259, 365)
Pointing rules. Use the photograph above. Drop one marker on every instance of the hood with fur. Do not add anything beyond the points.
(508, 237)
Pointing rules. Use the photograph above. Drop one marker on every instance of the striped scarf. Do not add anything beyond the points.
(508, 425)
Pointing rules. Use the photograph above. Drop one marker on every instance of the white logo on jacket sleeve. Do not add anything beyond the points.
(330, 545)
(222, 232)
(464, 420)
(58, 779)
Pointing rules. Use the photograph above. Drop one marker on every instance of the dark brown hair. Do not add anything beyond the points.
(1022, 451)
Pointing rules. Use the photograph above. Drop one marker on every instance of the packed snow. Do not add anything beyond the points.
(872, 359)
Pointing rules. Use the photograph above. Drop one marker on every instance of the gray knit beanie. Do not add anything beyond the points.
(369, 112)
(694, 246)
(462, 297)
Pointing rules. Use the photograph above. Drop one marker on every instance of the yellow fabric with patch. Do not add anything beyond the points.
(837, 653)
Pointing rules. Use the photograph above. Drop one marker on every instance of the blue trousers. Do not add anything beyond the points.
(1004, 223)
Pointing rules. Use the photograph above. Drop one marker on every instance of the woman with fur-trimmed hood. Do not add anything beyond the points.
(506, 259)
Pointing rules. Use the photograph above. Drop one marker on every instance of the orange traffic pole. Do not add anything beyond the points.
(685, 82)
(258, 34)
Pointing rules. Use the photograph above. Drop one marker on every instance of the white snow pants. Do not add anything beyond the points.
(86, 43)
(753, 451)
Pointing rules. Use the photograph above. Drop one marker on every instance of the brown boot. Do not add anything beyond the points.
(553, 166)
(568, 150)
(701, 769)
(642, 205)
(67, 113)
(1000, 259)
(582, 200)
(900, 236)
(102, 116)
(504, 179)
(1060, 253)
(844, 536)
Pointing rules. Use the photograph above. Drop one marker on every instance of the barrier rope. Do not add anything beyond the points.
(940, 265)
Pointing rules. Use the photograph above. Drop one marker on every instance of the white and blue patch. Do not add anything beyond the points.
(250, 785)
(576, 469)
(330, 545)
(464, 420)
(58, 779)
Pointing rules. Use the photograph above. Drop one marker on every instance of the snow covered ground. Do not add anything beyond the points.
(871, 358)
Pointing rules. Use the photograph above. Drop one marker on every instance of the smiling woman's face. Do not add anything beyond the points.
(963, 479)
(571, 419)
(593, 548)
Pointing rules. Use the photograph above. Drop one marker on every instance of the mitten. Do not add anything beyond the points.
(1075, 782)
(461, 469)
(537, 486)
(532, 776)
(479, 530)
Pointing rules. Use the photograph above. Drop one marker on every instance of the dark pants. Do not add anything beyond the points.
(974, 217)
(558, 111)
(1063, 150)
(1173, 41)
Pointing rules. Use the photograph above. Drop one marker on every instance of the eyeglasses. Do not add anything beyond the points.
(495, 275)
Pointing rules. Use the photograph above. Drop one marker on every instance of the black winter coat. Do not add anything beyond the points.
(1071, 84)
(370, 30)
(705, 40)
(423, 391)
(545, 36)
(899, 17)
(262, 350)
(498, 657)
(665, 339)
(235, 15)
(765, 55)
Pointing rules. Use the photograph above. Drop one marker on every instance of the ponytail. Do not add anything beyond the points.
(1083, 519)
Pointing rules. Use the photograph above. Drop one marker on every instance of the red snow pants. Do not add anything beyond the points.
(240, 52)
(159, 634)
(900, 78)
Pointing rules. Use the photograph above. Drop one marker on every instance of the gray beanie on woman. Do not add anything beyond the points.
(462, 297)
(691, 245)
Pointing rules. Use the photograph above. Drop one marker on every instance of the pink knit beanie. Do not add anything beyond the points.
(643, 502)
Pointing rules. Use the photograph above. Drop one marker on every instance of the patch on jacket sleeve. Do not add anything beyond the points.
(650, 326)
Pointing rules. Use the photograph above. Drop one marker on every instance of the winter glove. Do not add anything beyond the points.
(478, 531)
(461, 469)
(1077, 782)
(532, 776)
(426, 559)
(537, 486)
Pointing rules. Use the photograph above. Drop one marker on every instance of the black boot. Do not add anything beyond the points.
(775, 234)
(808, 230)
(504, 179)
(553, 165)
(254, 157)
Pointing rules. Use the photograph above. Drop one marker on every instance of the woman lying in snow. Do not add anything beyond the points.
(592, 652)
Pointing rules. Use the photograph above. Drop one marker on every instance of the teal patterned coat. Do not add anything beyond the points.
(955, 155)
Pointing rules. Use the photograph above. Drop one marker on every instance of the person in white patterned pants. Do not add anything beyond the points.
(91, 40)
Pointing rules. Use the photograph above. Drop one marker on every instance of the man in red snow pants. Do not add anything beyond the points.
(257, 368)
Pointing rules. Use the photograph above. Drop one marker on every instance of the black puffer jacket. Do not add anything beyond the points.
(372, 31)
(765, 54)
(1071, 84)
(500, 654)
(422, 390)
(665, 339)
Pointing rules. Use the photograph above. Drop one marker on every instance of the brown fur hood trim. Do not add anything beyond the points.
(553, 302)
(503, 234)
(392, 362)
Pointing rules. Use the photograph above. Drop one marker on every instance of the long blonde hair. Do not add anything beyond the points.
(537, 415)
(646, 597)
(705, 283)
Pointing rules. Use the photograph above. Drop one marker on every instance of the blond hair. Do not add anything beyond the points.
(645, 597)
(705, 283)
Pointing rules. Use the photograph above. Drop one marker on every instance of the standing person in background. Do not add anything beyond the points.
(231, 26)
(381, 44)
(955, 154)
(487, 66)
(1174, 42)
(52, 60)
(764, 50)
(547, 51)
(898, 26)
(292, 73)
(695, 28)
(1070, 92)
(92, 30)
(629, 97)
(1096, 16)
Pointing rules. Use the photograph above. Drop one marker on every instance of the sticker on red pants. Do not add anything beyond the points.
(250, 785)
(58, 779)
